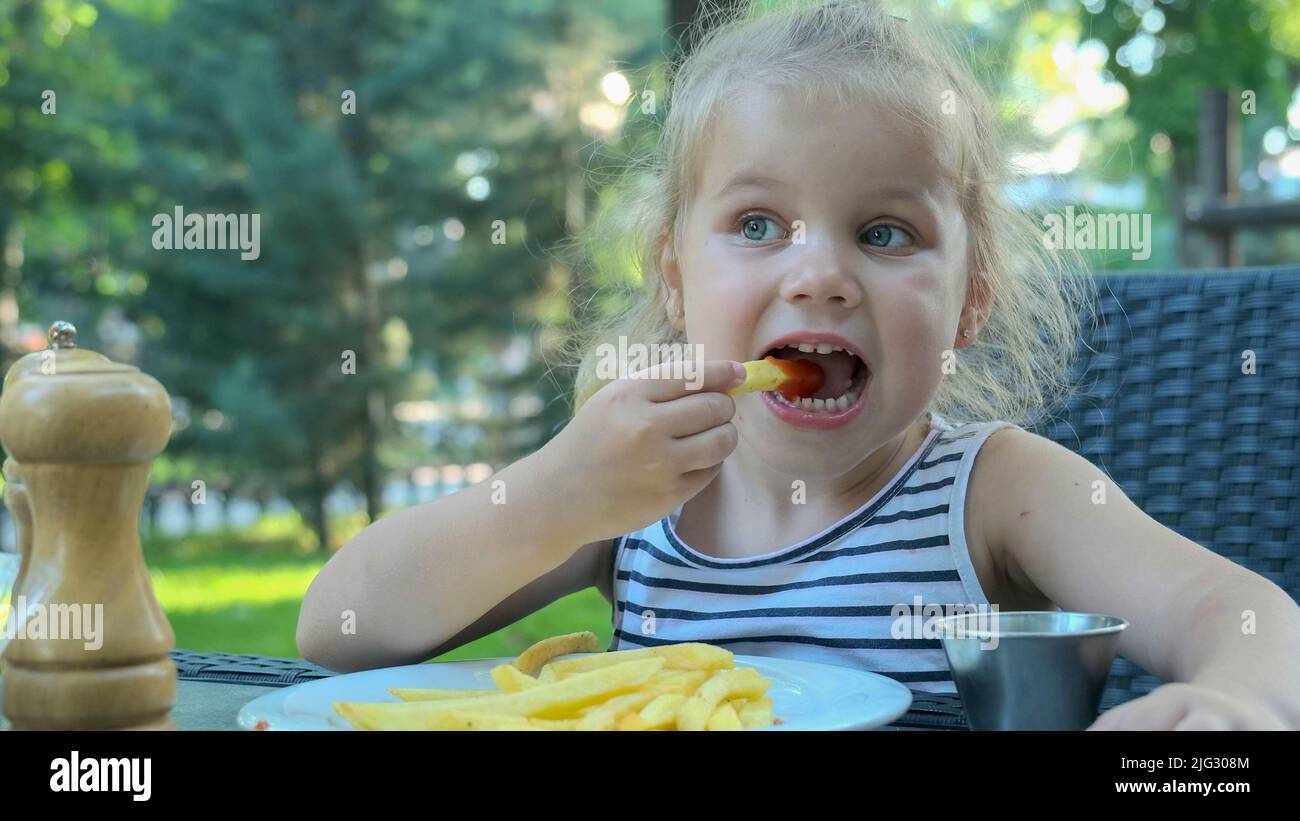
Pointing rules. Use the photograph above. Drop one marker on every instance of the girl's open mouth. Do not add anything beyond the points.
(842, 395)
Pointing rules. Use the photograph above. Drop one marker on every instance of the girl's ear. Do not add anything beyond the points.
(674, 305)
(975, 312)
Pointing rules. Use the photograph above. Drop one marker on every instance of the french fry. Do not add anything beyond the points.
(685, 656)
(422, 694)
(460, 720)
(534, 658)
(510, 679)
(755, 713)
(694, 714)
(724, 718)
(793, 378)
(606, 716)
(682, 682)
(555, 700)
(632, 722)
(661, 714)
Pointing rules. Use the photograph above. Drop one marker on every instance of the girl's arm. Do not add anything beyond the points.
(429, 578)
(1056, 526)
(416, 583)
(591, 566)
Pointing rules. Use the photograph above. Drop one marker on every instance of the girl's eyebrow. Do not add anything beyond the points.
(748, 180)
(745, 179)
(898, 193)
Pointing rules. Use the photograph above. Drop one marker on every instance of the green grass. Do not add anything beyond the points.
(240, 592)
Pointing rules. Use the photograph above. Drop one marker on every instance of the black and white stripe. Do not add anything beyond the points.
(830, 598)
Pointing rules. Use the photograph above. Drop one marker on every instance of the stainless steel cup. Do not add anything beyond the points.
(1030, 670)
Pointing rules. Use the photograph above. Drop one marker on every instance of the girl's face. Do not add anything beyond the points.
(827, 226)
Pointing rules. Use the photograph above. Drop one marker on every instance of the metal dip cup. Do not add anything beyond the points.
(1030, 670)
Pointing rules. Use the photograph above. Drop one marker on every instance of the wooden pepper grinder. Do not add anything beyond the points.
(62, 352)
(82, 432)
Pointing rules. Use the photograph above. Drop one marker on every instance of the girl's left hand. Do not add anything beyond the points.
(1191, 707)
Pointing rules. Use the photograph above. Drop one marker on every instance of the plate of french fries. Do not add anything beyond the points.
(566, 683)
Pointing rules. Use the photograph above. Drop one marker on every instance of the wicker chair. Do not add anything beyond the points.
(1168, 412)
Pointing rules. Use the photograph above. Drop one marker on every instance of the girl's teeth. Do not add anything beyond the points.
(814, 347)
(839, 403)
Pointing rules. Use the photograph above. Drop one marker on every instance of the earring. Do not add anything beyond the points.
(965, 333)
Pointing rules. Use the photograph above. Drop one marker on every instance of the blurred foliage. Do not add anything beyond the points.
(372, 246)
(1237, 45)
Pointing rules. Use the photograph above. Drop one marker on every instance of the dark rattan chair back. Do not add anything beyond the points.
(1170, 410)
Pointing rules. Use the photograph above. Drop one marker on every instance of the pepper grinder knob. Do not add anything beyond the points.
(63, 335)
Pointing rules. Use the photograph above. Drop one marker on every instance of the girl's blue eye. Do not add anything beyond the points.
(886, 235)
(752, 226)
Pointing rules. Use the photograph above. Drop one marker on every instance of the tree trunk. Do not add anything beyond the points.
(357, 139)
(191, 514)
(318, 487)
(319, 521)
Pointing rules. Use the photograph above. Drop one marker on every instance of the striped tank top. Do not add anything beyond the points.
(833, 597)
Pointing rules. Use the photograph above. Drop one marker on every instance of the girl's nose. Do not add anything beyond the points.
(821, 276)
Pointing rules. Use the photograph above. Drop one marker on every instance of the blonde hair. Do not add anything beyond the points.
(1020, 363)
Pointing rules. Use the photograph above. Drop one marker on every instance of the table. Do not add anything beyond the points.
(212, 687)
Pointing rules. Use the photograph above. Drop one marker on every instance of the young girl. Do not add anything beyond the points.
(826, 187)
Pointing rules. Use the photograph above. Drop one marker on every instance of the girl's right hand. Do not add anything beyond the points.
(641, 446)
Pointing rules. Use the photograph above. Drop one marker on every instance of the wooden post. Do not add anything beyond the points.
(1217, 171)
(1218, 213)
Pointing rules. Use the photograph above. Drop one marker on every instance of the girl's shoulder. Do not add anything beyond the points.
(969, 436)
(1004, 470)
(1023, 484)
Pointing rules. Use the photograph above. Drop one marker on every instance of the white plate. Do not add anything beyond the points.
(805, 695)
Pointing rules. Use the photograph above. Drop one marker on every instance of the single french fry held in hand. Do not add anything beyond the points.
(794, 378)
